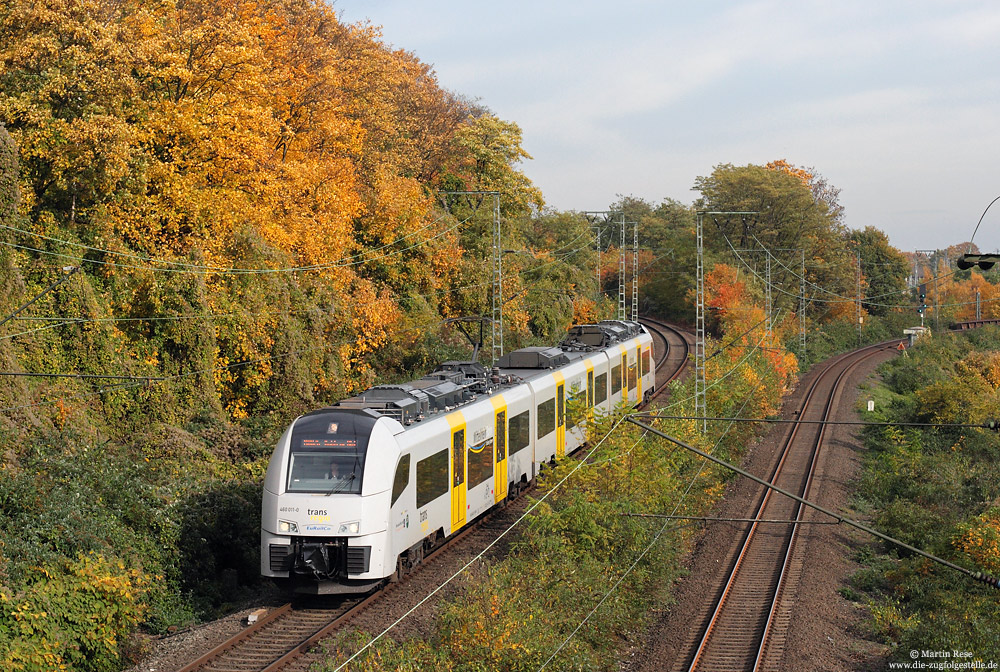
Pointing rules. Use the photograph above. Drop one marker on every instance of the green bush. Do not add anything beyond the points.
(926, 487)
(219, 545)
(71, 615)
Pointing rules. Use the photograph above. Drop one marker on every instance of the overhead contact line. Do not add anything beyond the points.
(68, 272)
(200, 268)
(82, 376)
(841, 298)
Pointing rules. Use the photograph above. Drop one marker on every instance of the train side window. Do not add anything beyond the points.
(458, 452)
(520, 431)
(601, 389)
(480, 463)
(401, 479)
(590, 389)
(573, 418)
(645, 362)
(560, 406)
(616, 380)
(501, 436)
(546, 418)
(631, 377)
(432, 477)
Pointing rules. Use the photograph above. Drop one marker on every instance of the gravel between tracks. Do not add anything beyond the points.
(174, 651)
(829, 631)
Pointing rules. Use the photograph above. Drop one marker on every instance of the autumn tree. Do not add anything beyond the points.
(666, 237)
(9, 175)
(789, 216)
(67, 96)
(883, 268)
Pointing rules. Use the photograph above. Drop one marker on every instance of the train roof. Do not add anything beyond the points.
(454, 384)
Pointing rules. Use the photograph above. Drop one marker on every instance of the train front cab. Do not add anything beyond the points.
(325, 533)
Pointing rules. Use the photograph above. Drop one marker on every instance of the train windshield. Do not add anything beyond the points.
(327, 455)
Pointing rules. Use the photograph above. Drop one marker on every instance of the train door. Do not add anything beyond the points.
(500, 443)
(458, 471)
(500, 435)
(590, 385)
(638, 373)
(560, 417)
(624, 375)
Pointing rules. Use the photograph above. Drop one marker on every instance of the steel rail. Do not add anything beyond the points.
(800, 509)
(662, 328)
(338, 620)
(751, 534)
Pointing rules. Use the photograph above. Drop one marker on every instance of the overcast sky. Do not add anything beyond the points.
(895, 102)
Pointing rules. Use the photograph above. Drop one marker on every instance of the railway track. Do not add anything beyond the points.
(745, 625)
(281, 639)
(673, 354)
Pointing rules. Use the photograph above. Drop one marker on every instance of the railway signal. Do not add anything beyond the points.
(984, 261)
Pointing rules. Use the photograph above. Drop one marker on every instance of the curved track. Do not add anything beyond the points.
(289, 631)
(745, 624)
(673, 346)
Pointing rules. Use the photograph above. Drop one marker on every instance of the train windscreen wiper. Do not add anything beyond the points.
(341, 486)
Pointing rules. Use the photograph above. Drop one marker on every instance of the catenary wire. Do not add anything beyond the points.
(235, 271)
(843, 300)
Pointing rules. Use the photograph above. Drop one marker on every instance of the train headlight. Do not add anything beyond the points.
(286, 527)
(349, 528)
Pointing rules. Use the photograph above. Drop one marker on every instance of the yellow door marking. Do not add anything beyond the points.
(500, 447)
(458, 469)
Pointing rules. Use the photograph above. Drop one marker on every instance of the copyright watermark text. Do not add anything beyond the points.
(926, 659)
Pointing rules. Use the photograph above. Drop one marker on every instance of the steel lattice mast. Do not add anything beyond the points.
(496, 281)
(700, 386)
(635, 271)
(621, 269)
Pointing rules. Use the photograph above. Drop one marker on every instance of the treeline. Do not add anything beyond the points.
(259, 163)
(252, 194)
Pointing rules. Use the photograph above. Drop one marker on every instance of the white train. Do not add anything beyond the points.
(357, 493)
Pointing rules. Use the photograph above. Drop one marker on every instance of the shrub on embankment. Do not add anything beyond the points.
(938, 490)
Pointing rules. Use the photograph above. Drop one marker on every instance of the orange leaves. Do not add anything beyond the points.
(749, 356)
(723, 292)
(584, 310)
(782, 165)
(980, 540)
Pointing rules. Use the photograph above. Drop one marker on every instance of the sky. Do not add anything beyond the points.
(897, 103)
